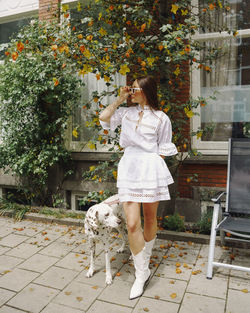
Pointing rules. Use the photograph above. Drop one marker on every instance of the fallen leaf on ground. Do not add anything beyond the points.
(177, 264)
(95, 287)
(157, 297)
(196, 272)
(79, 299)
(118, 274)
(67, 293)
(173, 295)
(145, 309)
(172, 282)
(178, 271)
(244, 290)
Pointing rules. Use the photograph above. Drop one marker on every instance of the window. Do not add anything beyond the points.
(227, 113)
(80, 116)
(8, 29)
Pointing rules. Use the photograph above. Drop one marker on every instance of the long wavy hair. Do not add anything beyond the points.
(149, 88)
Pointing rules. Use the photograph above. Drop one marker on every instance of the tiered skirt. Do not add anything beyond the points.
(143, 177)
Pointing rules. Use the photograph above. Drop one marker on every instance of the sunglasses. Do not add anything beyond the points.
(133, 90)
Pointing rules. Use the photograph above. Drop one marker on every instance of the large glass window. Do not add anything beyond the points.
(227, 113)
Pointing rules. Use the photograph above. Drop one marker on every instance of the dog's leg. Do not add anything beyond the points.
(92, 258)
(122, 234)
(107, 262)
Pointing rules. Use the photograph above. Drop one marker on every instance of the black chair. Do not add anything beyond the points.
(236, 218)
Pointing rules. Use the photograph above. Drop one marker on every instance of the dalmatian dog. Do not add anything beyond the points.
(99, 222)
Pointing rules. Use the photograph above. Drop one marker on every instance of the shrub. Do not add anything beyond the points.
(204, 225)
(173, 222)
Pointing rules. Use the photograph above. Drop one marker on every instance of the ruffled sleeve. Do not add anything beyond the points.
(115, 120)
(166, 147)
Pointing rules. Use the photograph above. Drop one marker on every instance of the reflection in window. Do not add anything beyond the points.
(238, 17)
(227, 114)
(8, 30)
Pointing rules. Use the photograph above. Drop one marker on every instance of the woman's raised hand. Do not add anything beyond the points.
(124, 93)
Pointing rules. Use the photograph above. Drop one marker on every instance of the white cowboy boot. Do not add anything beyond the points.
(148, 249)
(142, 274)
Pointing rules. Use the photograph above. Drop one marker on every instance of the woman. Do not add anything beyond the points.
(143, 176)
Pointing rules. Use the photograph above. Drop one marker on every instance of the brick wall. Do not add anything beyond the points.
(209, 175)
(48, 9)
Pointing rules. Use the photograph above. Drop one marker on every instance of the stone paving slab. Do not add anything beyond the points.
(43, 269)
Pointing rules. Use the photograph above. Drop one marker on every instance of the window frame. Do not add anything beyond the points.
(207, 147)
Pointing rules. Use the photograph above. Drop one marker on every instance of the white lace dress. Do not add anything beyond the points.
(143, 175)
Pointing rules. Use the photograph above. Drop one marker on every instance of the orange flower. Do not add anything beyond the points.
(90, 23)
(73, 28)
(7, 53)
(14, 56)
(20, 46)
(82, 49)
(211, 6)
(128, 23)
(66, 15)
(53, 47)
(64, 65)
(101, 192)
(98, 76)
(80, 36)
(160, 47)
(56, 81)
(142, 45)
(105, 131)
(143, 26)
(111, 7)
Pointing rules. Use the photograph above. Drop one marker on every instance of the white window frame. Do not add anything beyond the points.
(207, 147)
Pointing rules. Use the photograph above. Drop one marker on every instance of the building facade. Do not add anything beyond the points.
(226, 116)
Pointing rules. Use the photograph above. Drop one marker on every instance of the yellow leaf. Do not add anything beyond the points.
(102, 32)
(65, 8)
(75, 133)
(188, 112)
(79, 7)
(173, 295)
(184, 12)
(174, 8)
(177, 264)
(124, 69)
(68, 293)
(95, 287)
(178, 271)
(177, 71)
(150, 61)
(145, 309)
(106, 78)
(244, 290)
(114, 174)
(91, 145)
(199, 134)
(91, 168)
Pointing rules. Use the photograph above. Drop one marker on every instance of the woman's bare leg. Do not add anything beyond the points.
(150, 220)
(135, 235)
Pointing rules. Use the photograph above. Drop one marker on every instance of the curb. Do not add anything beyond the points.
(161, 234)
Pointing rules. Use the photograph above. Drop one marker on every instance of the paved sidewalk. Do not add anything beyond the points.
(43, 267)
